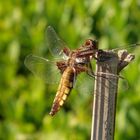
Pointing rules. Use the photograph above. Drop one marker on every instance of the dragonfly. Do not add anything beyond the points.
(73, 63)
(69, 63)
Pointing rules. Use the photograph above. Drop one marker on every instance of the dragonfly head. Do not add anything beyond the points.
(93, 44)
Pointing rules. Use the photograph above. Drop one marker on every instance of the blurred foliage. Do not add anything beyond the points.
(24, 102)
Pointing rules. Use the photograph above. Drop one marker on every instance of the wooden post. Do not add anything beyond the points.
(105, 93)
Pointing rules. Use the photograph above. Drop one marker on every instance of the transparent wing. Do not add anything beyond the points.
(130, 47)
(43, 68)
(125, 49)
(84, 84)
(53, 42)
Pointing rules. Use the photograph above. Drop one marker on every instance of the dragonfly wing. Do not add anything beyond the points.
(84, 84)
(54, 43)
(43, 68)
(124, 51)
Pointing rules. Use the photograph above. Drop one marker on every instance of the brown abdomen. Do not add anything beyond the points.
(65, 86)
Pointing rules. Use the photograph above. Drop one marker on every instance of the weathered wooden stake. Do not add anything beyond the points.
(105, 93)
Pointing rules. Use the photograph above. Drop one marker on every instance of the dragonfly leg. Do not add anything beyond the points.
(96, 58)
(74, 77)
(90, 71)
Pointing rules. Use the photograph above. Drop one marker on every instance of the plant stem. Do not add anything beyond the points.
(105, 93)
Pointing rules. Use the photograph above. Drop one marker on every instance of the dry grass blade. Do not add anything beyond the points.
(103, 121)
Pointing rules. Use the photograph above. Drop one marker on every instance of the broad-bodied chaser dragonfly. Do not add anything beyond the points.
(73, 63)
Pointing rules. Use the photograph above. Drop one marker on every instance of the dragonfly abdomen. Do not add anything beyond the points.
(65, 86)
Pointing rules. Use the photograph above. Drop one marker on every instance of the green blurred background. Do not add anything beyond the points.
(24, 102)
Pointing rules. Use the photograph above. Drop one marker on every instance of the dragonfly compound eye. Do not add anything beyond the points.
(88, 42)
(95, 44)
(92, 43)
